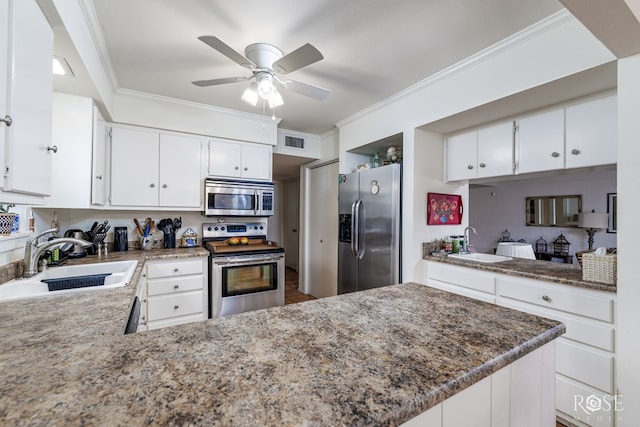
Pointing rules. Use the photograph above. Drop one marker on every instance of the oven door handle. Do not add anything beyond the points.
(245, 261)
(256, 206)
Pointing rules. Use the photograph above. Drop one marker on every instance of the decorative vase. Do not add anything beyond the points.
(6, 223)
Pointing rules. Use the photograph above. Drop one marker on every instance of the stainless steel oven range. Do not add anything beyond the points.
(246, 271)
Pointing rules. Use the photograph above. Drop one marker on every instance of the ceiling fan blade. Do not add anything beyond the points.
(225, 80)
(301, 57)
(227, 51)
(306, 89)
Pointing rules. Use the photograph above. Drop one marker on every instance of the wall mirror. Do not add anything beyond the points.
(553, 211)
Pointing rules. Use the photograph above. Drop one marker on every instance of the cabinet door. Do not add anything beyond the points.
(540, 142)
(29, 100)
(225, 158)
(134, 167)
(180, 178)
(99, 163)
(592, 133)
(495, 150)
(256, 161)
(462, 154)
(71, 165)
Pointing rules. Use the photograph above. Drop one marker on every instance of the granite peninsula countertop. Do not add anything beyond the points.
(567, 274)
(377, 357)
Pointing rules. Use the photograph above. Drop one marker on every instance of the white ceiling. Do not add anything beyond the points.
(372, 48)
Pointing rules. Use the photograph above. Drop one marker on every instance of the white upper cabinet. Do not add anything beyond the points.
(481, 153)
(591, 133)
(235, 159)
(153, 169)
(462, 156)
(540, 142)
(495, 150)
(26, 77)
(73, 131)
(100, 164)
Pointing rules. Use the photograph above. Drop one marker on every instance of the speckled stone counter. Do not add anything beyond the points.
(567, 274)
(377, 357)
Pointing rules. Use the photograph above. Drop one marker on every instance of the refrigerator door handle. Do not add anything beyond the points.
(354, 228)
(359, 246)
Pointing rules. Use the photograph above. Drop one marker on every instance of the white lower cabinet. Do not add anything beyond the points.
(175, 293)
(520, 394)
(585, 354)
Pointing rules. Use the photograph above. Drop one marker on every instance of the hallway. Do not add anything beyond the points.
(291, 293)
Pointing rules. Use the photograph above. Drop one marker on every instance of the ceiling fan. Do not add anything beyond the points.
(266, 62)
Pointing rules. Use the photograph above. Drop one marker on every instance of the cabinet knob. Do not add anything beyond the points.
(99, 176)
(176, 286)
(53, 148)
(555, 154)
(175, 270)
(175, 307)
(152, 185)
(575, 151)
(482, 165)
(7, 120)
(546, 298)
(237, 167)
(470, 167)
(164, 185)
(246, 169)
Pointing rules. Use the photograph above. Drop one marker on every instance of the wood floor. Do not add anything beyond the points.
(291, 293)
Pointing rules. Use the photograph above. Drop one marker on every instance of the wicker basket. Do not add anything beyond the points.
(580, 253)
(600, 268)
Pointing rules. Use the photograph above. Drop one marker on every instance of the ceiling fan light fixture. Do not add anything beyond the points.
(275, 100)
(265, 85)
(250, 94)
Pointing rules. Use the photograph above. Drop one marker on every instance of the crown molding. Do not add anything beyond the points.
(201, 106)
(504, 45)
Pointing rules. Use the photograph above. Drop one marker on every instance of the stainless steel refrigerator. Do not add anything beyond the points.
(369, 241)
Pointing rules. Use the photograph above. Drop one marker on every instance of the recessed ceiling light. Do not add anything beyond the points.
(61, 67)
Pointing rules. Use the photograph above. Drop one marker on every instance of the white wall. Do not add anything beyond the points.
(628, 321)
(492, 209)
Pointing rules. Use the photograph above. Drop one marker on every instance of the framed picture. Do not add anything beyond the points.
(444, 209)
(612, 210)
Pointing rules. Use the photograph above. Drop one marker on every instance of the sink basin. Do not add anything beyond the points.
(116, 275)
(479, 257)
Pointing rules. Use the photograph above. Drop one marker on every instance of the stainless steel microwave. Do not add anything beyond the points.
(238, 198)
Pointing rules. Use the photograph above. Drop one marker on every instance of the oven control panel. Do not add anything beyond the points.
(220, 230)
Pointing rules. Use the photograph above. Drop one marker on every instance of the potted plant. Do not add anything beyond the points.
(6, 219)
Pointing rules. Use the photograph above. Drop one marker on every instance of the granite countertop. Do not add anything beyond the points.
(377, 357)
(567, 274)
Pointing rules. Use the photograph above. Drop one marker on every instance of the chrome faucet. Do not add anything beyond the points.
(33, 250)
(465, 246)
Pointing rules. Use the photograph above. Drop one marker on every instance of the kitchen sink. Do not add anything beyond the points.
(480, 257)
(73, 278)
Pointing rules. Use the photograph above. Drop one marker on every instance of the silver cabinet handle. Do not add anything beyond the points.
(99, 176)
(175, 270)
(575, 151)
(246, 169)
(7, 120)
(54, 148)
(164, 185)
(482, 165)
(470, 167)
(176, 286)
(152, 185)
(555, 154)
(175, 307)
(237, 167)
(546, 298)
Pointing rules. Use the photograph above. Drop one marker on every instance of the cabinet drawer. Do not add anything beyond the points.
(462, 276)
(582, 330)
(461, 290)
(175, 268)
(174, 285)
(571, 399)
(175, 321)
(576, 302)
(584, 365)
(167, 306)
